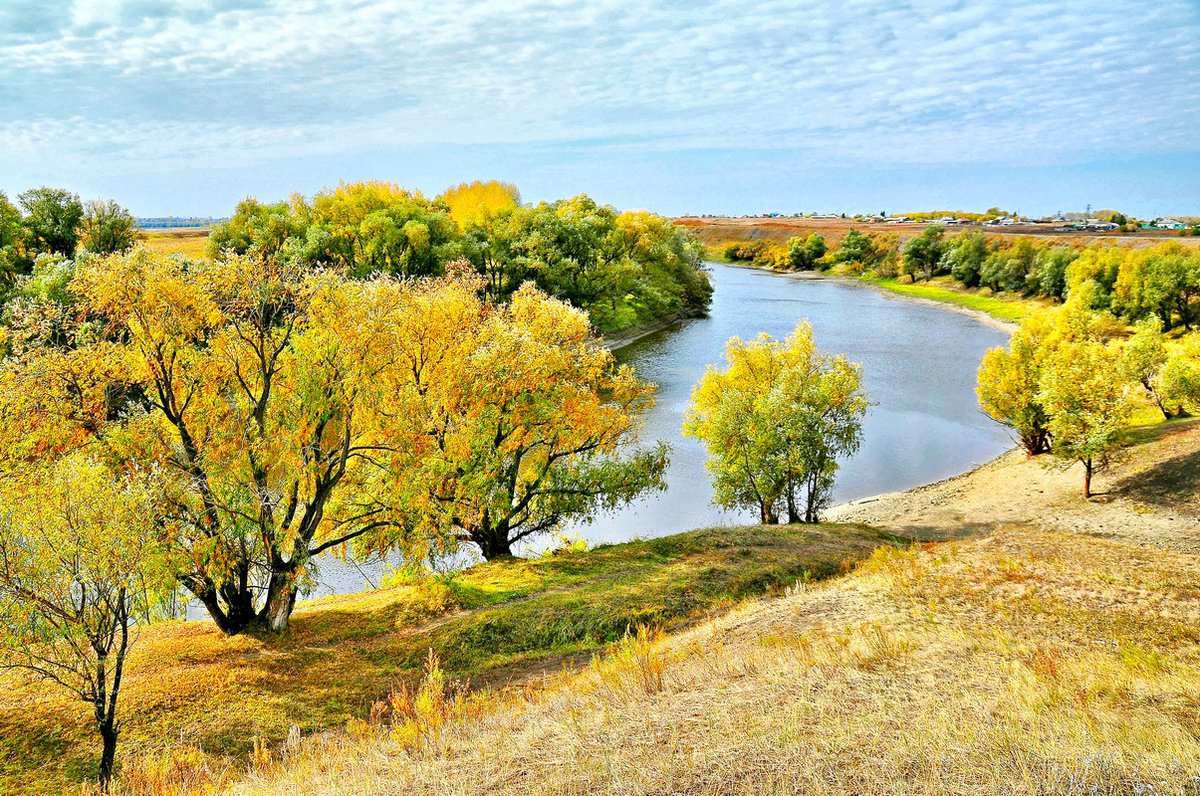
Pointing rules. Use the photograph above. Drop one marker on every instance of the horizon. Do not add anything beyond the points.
(729, 108)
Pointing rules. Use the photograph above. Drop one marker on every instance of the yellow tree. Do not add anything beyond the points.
(473, 204)
(81, 568)
(1008, 383)
(524, 415)
(1087, 403)
(775, 422)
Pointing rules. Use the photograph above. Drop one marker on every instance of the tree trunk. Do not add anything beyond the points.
(492, 540)
(1087, 477)
(792, 510)
(108, 734)
(282, 590)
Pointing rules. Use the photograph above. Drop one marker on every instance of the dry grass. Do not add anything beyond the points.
(1025, 662)
(197, 706)
(188, 242)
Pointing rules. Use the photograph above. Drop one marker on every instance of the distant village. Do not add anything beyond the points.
(1070, 222)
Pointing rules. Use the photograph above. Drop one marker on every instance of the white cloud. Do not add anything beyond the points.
(920, 81)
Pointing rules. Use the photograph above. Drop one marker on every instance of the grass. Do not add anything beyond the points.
(1024, 662)
(504, 623)
(1004, 309)
(188, 242)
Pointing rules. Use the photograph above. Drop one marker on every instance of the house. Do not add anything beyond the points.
(1169, 223)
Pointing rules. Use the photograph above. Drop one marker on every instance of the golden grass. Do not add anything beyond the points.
(1021, 663)
(188, 242)
(508, 623)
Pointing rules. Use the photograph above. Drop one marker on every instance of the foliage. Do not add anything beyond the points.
(52, 219)
(107, 228)
(625, 269)
(526, 413)
(858, 247)
(1087, 405)
(805, 254)
(923, 254)
(267, 396)
(775, 422)
(474, 204)
(80, 570)
(1009, 382)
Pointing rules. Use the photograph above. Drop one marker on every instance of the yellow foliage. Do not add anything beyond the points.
(472, 204)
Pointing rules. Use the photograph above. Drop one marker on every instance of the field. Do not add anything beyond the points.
(188, 242)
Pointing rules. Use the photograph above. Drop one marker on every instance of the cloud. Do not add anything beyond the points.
(926, 81)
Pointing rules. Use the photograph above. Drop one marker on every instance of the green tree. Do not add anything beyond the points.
(52, 219)
(803, 254)
(80, 570)
(963, 257)
(857, 247)
(775, 422)
(107, 228)
(1143, 358)
(1086, 402)
(12, 255)
(923, 254)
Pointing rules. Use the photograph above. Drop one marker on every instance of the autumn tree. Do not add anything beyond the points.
(1142, 361)
(1009, 381)
(858, 247)
(473, 204)
(11, 240)
(524, 417)
(1086, 402)
(81, 568)
(775, 422)
(803, 254)
(107, 228)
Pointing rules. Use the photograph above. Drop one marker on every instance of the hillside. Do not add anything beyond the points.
(1014, 660)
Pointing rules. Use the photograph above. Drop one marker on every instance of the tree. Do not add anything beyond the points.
(1179, 378)
(963, 257)
(52, 218)
(81, 568)
(1143, 358)
(1008, 384)
(775, 422)
(472, 204)
(923, 253)
(12, 256)
(107, 227)
(523, 417)
(803, 254)
(1086, 402)
(857, 247)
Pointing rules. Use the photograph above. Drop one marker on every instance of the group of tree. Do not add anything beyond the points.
(624, 268)
(1068, 382)
(1162, 281)
(775, 421)
(214, 426)
(52, 221)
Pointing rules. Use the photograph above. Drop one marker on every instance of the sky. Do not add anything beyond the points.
(183, 107)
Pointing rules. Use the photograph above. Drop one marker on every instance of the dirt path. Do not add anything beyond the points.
(1150, 496)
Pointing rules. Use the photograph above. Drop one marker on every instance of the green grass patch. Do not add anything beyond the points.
(497, 623)
(1004, 309)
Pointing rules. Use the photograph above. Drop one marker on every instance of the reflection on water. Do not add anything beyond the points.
(919, 365)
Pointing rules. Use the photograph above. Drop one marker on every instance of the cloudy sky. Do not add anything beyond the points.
(185, 106)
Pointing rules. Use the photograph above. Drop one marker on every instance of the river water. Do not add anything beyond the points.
(919, 364)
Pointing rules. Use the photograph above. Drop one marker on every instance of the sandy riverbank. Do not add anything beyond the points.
(1150, 495)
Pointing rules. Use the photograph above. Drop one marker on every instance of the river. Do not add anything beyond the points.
(919, 363)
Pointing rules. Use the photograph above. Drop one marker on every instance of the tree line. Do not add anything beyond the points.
(1162, 281)
(53, 221)
(624, 268)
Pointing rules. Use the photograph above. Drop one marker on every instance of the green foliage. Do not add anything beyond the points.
(805, 254)
(625, 269)
(858, 248)
(52, 220)
(963, 257)
(107, 228)
(775, 422)
(923, 254)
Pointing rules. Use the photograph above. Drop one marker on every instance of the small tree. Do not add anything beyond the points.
(107, 227)
(80, 569)
(803, 254)
(775, 422)
(1008, 384)
(1086, 402)
(1143, 358)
